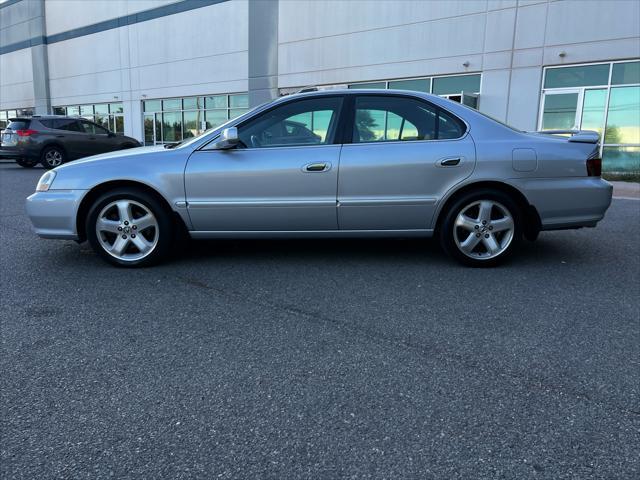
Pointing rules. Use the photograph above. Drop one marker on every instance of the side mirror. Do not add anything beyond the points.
(227, 139)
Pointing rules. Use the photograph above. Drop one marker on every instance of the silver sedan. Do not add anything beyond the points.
(332, 163)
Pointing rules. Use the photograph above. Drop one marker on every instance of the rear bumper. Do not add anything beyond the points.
(568, 202)
(53, 213)
(11, 153)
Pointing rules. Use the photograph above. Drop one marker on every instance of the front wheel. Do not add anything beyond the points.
(482, 228)
(129, 228)
(52, 157)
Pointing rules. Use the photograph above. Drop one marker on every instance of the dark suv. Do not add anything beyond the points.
(53, 140)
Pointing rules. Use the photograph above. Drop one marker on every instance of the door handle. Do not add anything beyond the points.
(450, 162)
(317, 167)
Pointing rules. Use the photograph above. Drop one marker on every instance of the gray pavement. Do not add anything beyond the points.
(320, 359)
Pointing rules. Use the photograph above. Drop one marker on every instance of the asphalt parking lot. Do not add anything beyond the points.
(320, 359)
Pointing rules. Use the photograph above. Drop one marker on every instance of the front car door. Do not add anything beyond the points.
(282, 176)
(404, 155)
(97, 139)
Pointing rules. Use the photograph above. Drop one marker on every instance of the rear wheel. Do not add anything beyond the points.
(26, 162)
(52, 157)
(129, 228)
(482, 228)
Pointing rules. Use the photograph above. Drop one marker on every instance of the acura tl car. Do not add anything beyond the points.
(363, 163)
(54, 139)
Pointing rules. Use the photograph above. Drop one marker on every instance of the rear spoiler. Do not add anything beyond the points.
(579, 136)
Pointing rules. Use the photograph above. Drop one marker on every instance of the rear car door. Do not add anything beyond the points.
(282, 177)
(70, 134)
(405, 154)
(98, 139)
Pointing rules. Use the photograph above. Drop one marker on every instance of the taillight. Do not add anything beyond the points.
(26, 133)
(594, 167)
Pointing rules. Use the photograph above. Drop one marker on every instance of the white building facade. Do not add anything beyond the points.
(163, 70)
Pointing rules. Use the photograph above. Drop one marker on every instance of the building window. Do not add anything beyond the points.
(5, 115)
(604, 97)
(172, 120)
(459, 88)
(108, 115)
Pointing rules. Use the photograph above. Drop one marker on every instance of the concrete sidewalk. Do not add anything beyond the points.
(626, 189)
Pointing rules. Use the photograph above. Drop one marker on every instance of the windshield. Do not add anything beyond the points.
(192, 140)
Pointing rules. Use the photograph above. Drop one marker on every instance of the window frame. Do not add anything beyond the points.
(348, 128)
(338, 134)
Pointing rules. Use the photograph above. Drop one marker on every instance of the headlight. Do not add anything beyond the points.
(45, 181)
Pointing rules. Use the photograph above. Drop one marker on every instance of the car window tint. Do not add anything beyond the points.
(304, 122)
(48, 122)
(18, 125)
(68, 124)
(88, 127)
(388, 118)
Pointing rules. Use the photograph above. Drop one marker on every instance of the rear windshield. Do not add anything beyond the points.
(18, 125)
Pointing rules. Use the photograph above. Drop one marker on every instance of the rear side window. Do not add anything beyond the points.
(18, 125)
(391, 119)
(68, 124)
(47, 122)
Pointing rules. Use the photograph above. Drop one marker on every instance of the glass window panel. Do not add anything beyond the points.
(381, 85)
(581, 76)
(292, 124)
(59, 110)
(457, 84)
(102, 109)
(593, 109)
(190, 103)
(191, 124)
(73, 110)
(213, 118)
(625, 73)
(559, 111)
(239, 101)
(621, 160)
(119, 124)
(86, 109)
(11, 113)
(172, 104)
(103, 120)
(152, 106)
(158, 127)
(236, 112)
(418, 85)
(216, 101)
(148, 130)
(172, 127)
(370, 125)
(116, 108)
(623, 119)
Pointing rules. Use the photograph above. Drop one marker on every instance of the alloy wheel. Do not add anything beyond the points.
(127, 230)
(483, 229)
(53, 158)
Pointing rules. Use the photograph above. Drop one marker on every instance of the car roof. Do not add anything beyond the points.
(45, 117)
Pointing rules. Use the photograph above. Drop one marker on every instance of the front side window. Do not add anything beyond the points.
(304, 122)
(390, 119)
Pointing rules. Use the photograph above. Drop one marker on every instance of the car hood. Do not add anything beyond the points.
(134, 153)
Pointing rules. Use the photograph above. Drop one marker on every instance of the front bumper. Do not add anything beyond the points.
(568, 202)
(53, 213)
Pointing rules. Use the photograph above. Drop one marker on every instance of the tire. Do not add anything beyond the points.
(26, 162)
(482, 228)
(115, 235)
(52, 157)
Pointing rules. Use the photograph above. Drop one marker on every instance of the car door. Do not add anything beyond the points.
(69, 132)
(97, 139)
(405, 154)
(281, 177)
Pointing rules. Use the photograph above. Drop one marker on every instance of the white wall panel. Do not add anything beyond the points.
(16, 79)
(64, 15)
